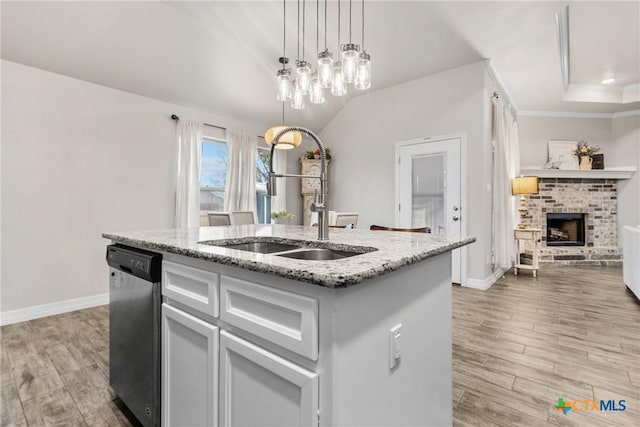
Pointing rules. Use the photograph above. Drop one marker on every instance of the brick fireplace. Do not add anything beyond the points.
(594, 200)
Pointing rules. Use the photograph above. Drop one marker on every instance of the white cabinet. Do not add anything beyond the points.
(189, 370)
(258, 387)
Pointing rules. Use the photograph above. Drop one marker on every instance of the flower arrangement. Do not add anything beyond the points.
(584, 149)
(316, 154)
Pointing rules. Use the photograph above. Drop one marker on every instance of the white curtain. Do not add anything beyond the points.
(506, 167)
(189, 141)
(240, 189)
(279, 201)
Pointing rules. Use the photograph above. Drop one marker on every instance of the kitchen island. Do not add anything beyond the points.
(251, 338)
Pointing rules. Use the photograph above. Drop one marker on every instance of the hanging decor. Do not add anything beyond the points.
(352, 64)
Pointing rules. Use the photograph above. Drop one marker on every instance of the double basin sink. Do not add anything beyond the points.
(296, 249)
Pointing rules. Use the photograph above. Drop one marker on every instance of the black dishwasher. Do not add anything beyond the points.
(134, 330)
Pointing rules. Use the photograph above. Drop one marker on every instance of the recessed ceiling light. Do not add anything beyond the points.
(608, 81)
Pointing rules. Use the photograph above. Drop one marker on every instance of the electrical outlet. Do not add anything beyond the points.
(395, 334)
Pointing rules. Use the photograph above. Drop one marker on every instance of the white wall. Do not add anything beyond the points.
(625, 135)
(362, 137)
(617, 137)
(79, 159)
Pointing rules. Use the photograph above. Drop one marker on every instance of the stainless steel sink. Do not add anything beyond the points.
(261, 247)
(317, 254)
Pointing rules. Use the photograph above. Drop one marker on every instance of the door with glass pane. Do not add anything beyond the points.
(429, 189)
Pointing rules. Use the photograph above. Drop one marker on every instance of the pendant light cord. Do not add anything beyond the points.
(284, 32)
(298, 52)
(304, 20)
(325, 24)
(363, 25)
(317, 28)
(338, 27)
(349, 21)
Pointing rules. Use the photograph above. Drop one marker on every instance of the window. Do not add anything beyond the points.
(213, 176)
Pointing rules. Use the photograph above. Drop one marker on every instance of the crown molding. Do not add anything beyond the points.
(578, 115)
(613, 94)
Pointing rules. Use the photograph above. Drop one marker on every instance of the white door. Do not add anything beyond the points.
(189, 370)
(428, 188)
(258, 388)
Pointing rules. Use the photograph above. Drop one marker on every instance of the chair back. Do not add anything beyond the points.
(219, 218)
(410, 230)
(345, 218)
(242, 218)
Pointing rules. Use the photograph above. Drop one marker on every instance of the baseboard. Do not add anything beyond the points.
(486, 283)
(44, 310)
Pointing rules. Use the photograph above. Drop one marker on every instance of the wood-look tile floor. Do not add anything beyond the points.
(573, 332)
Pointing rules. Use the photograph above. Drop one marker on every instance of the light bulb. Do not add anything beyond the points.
(338, 85)
(303, 75)
(284, 84)
(317, 94)
(349, 59)
(297, 97)
(325, 68)
(363, 72)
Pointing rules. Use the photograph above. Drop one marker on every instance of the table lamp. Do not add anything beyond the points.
(519, 187)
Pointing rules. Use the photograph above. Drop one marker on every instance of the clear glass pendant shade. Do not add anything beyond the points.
(349, 60)
(325, 68)
(297, 97)
(363, 72)
(284, 84)
(303, 75)
(317, 94)
(338, 85)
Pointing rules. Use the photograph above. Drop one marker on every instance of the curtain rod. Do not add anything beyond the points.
(176, 118)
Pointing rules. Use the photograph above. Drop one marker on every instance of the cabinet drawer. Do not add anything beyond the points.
(284, 318)
(192, 287)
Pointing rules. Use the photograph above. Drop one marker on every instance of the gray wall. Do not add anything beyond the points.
(79, 159)
(362, 137)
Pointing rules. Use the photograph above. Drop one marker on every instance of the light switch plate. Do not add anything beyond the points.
(395, 334)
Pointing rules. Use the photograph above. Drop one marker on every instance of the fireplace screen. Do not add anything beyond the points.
(565, 229)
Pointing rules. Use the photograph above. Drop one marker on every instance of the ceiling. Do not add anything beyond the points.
(221, 56)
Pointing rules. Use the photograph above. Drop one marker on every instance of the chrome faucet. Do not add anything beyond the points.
(319, 204)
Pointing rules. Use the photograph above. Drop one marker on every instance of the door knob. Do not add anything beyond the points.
(455, 208)
(455, 218)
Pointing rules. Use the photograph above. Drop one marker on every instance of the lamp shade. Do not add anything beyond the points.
(289, 140)
(524, 185)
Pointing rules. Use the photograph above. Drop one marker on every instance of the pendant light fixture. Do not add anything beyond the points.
(350, 53)
(285, 83)
(287, 141)
(317, 94)
(352, 65)
(325, 58)
(363, 70)
(338, 85)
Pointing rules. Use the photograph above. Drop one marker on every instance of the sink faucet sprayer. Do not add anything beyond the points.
(320, 200)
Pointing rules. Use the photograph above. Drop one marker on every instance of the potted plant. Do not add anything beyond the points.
(584, 151)
(282, 217)
(316, 154)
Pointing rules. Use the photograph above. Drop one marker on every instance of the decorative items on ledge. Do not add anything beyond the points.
(584, 151)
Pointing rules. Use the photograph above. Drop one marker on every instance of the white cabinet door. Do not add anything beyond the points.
(189, 370)
(258, 388)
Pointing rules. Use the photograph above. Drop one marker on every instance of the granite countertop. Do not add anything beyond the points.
(394, 250)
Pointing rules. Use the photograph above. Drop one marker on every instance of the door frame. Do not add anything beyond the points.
(462, 136)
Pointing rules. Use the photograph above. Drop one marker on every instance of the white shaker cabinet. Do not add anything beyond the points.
(258, 387)
(189, 370)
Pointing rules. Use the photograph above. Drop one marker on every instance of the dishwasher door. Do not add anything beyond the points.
(134, 344)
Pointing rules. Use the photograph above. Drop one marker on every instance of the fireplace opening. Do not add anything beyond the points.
(565, 229)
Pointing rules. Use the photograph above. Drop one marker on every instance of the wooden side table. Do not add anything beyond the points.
(522, 235)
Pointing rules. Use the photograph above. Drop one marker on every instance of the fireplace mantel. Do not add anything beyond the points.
(608, 173)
